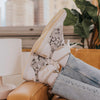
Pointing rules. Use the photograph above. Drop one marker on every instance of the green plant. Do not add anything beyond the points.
(85, 22)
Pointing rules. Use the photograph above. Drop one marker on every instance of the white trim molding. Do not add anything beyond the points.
(29, 34)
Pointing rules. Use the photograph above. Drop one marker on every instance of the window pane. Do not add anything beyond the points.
(17, 13)
(55, 5)
(30, 12)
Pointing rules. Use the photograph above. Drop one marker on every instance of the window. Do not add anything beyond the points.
(30, 12)
(16, 13)
(26, 19)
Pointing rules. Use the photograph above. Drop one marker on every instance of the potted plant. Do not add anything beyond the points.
(86, 22)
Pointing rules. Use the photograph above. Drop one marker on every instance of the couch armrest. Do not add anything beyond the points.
(29, 91)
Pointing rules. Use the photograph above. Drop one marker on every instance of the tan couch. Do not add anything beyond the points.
(38, 91)
(29, 91)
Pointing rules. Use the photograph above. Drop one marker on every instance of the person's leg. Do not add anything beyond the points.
(76, 83)
(79, 70)
(75, 90)
(68, 71)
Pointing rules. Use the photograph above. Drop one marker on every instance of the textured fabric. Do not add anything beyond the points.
(78, 81)
(75, 90)
(78, 76)
(81, 71)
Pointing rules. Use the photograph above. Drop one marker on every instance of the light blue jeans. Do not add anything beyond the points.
(78, 81)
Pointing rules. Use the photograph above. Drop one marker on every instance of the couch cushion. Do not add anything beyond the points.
(90, 56)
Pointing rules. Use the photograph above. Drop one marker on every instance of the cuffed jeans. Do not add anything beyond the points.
(78, 81)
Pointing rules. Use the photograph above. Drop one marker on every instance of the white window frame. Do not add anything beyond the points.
(31, 33)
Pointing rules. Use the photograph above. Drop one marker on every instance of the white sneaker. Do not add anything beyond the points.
(33, 66)
(52, 78)
(48, 73)
(52, 36)
(51, 39)
(61, 55)
(36, 65)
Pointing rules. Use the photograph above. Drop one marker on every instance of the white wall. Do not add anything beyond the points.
(17, 79)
